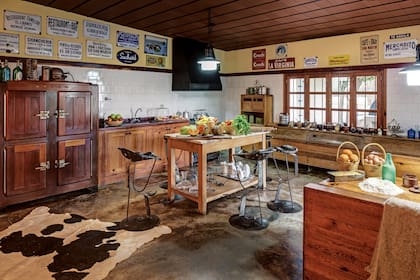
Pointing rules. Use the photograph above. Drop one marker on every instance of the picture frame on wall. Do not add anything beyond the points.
(155, 45)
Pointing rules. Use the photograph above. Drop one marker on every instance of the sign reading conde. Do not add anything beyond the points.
(281, 63)
(258, 59)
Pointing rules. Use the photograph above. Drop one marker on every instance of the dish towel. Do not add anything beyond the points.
(397, 251)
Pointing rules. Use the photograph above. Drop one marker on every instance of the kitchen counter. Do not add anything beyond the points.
(341, 225)
(143, 124)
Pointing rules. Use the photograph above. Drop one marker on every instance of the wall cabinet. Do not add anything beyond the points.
(50, 142)
(257, 108)
(113, 166)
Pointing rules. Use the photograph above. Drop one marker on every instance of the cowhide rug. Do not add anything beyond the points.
(64, 246)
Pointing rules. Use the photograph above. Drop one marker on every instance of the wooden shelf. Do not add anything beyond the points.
(257, 108)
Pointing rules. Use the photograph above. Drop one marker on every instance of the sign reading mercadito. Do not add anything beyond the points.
(98, 49)
(406, 48)
(62, 27)
(22, 22)
(39, 46)
(96, 30)
(69, 50)
(9, 43)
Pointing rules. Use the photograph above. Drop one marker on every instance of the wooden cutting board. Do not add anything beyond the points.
(344, 176)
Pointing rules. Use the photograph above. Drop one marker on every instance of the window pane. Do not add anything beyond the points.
(297, 100)
(340, 101)
(317, 116)
(317, 100)
(366, 102)
(366, 119)
(366, 83)
(297, 115)
(317, 85)
(340, 84)
(297, 85)
(340, 117)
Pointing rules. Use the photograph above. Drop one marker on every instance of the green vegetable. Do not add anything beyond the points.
(241, 125)
(185, 129)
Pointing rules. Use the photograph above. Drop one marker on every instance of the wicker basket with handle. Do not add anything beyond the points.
(375, 169)
(351, 165)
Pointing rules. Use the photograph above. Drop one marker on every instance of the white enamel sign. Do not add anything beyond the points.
(9, 43)
(39, 46)
(62, 27)
(400, 49)
(22, 22)
(69, 50)
(98, 49)
(96, 30)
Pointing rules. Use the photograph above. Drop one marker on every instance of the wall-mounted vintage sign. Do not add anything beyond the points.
(127, 56)
(22, 22)
(69, 50)
(400, 36)
(155, 45)
(339, 59)
(281, 50)
(62, 27)
(400, 49)
(258, 59)
(95, 30)
(9, 43)
(98, 49)
(369, 49)
(127, 40)
(281, 63)
(310, 61)
(39, 46)
(156, 61)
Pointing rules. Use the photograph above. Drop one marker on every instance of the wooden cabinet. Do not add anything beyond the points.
(257, 108)
(113, 166)
(50, 142)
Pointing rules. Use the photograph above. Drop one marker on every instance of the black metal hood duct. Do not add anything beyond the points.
(186, 72)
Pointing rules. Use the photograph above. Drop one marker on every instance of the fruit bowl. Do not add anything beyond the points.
(114, 123)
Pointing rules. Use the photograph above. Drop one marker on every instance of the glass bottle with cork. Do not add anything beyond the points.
(17, 72)
(6, 72)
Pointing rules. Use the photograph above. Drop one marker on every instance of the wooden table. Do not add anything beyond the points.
(203, 146)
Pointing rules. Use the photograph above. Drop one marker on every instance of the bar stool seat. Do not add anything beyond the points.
(243, 220)
(279, 205)
(139, 222)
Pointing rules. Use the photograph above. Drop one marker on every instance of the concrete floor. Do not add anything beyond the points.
(199, 247)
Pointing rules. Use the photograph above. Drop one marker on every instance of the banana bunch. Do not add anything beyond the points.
(206, 120)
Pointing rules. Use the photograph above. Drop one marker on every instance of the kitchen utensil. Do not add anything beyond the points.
(409, 180)
(186, 115)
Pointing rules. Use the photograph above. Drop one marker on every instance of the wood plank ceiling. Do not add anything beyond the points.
(239, 24)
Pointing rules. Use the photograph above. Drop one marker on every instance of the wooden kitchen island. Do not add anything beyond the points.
(341, 226)
(202, 147)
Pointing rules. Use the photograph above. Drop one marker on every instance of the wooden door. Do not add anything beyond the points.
(26, 115)
(74, 163)
(26, 168)
(114, 161)
(74, 113)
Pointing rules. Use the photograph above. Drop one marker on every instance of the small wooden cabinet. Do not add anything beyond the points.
(257, 108)
(113, 166)
(50, 142)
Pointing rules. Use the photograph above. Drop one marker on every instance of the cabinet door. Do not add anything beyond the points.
(114, 161)
(246, 103)
(74, 113)
(26, 115)
(258, 104)
(26, 168)
(74, 162)
(137, 142)
(157, 144)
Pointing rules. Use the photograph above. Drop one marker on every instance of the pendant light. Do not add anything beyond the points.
(209, 61)
(413, 71)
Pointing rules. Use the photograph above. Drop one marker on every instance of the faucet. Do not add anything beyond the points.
(138, 109)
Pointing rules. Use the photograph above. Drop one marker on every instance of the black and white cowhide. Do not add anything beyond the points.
(64, 246)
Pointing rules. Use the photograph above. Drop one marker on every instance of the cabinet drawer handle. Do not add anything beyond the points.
(61, 114)
(43, 115)
(61, 163)
(43, 166)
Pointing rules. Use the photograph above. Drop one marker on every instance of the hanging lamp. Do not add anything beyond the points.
(209, 61)
(413, 71)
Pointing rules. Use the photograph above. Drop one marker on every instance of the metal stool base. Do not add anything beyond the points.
(284, 206)
(248, 222)
(139, 223)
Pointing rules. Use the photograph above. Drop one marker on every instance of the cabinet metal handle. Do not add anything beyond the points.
(61, 114)
(61, 163)
(43, 115)
(43, 166)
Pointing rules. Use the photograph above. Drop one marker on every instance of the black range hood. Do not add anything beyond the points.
(186, 72)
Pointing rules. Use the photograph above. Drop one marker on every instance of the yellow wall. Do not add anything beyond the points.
(240, 60)
(34, 9)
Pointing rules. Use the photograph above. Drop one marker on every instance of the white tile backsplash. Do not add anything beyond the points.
(123, 91)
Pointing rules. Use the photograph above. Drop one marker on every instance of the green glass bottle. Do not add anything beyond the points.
(6, 72)
(17, 72)
(388, 169)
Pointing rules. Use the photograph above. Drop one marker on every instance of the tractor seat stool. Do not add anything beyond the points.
(251, 221)
(139, 222)
(285, 206)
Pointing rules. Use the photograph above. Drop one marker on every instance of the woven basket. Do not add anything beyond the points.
(372, 170)
(348, 166)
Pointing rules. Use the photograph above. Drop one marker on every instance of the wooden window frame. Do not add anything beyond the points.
(380, 93)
